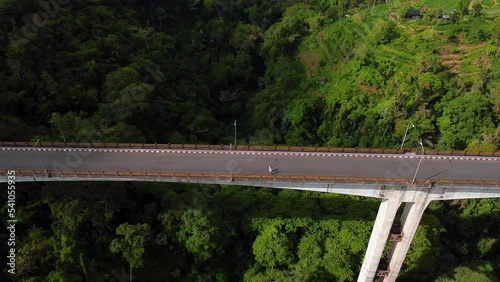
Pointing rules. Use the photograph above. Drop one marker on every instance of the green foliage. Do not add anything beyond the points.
(475, 33)
(481, 207)
(422, 257)
(199, 233)
(384, 31)
(477, 9)
(337, 63)
(132, 245)
(56, 276)
(35, 254)
(272, 248)
(465, 274)
(465, 118)
(119, 80)
(232, 233)
(445, 4)
(301, 132)
(310, 253)
(283, 37)
(463, 7)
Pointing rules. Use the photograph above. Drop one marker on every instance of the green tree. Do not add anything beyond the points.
(283, 37)
(384, 31)
(119, 79)
(143, 33)
(463, 7)
(477, 9)
(310, 252)
(35, 255)
(58, 276)
(465, 274)
(200, 233)
(132, 245)
(272, 247)
(464, 119)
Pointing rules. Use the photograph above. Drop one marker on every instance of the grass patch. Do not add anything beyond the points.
(490, 5)
(444, 4)
(453, 4)
(380, 11)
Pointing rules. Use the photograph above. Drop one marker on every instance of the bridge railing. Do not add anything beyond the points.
(242, 177)
(248, 148)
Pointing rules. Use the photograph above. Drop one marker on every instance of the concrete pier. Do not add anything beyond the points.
(410, 220)
(378, 239)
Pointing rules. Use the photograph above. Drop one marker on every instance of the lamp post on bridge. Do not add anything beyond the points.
(39, 159)
(55, 119)
(230, 162)
(235, 134)
(406, 132)
(418, 166)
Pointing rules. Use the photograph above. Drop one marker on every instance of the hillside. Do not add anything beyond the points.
(382, 74)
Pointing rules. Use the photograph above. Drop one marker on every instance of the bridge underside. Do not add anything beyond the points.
(405, 192)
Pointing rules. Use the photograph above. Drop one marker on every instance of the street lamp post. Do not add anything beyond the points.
(418, 166)
(39, 159)
(235, 134)
(64, 139)
(230, 162)
(406, 132)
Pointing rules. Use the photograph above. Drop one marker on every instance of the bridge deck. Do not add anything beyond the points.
(253, 162)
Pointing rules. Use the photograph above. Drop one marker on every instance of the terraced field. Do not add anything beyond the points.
(464, 59)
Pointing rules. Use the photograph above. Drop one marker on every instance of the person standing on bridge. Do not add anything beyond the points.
(270, 170)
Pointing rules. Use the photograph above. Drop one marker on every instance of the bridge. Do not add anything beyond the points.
(394, 175)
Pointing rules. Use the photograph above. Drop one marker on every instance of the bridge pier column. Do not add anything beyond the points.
(378, 239)
(410, 220)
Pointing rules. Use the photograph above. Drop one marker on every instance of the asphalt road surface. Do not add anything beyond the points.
(284, 163)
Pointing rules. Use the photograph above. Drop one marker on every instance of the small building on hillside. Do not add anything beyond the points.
(413, 14)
